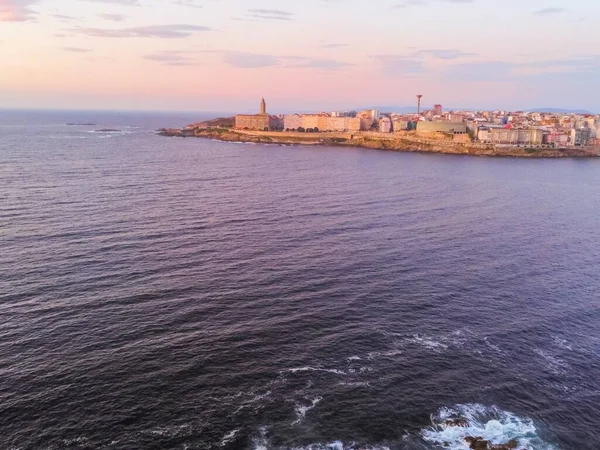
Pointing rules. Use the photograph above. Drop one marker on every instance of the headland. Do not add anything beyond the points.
(402, 141)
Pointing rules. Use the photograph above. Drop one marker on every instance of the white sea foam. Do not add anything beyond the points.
(554, 364)
(301, 410)
(251, 401)
(170, 431)
(68, 137)
(339, 445)
(76, 441)
(229, 437)
(355, 383)
(260, 442)
(429, 343)
(106, 132)
(562, 343)
(490, 423)
(389, 353)
(314, 369)
(492, 346)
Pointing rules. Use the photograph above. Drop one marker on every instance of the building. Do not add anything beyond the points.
(292, 121)
(442, 127)
(581, 136)
(343, 114)
(437, 110)
(400, 124)
(259, 121)
(511, 136)
(322, 122)
(368, 118)
(310, 121)
(385, 125)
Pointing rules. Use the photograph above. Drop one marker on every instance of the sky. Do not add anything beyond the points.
(301, 55)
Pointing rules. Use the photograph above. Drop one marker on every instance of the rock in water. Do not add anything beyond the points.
(457, 422)
(478, 443)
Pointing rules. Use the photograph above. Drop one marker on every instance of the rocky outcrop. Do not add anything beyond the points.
(478, 443)
(457, 422)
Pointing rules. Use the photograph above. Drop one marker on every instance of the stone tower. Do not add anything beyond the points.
(263, 107)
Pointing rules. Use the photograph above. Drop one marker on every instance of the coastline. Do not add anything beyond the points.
(400, 142)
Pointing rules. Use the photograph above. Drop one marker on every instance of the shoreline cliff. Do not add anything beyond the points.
(401, 142)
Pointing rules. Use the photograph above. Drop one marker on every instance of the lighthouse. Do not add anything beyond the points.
(263, 107)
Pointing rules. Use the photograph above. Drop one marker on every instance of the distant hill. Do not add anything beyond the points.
(408, 109)
(412, 109)
(397, 109)
(561, 110)
(220, 122)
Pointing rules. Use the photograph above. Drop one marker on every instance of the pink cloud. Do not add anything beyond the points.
(16, 10)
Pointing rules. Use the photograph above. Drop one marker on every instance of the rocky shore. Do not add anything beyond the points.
(405, 142)
(478, 442)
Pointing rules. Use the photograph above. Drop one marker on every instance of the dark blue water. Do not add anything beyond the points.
(164, 293)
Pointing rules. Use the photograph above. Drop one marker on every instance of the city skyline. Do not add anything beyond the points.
(325, 54)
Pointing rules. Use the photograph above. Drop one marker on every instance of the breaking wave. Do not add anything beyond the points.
(261, 444)
(450, 427)
(301, 410)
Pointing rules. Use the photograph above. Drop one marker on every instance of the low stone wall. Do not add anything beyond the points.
(296, 134)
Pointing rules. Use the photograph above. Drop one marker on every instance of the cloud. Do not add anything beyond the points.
(76, 49)
(16, 10)
(317, 63)
(250, 60)
(269, 14)
(117, 2)
(151, 31)
(549, 11)
(171, 58)
(417, 62)
(401, 65)
(113, 17)
(247, 60)
(479, 71)
(411, 3)
(585, 69)
(256, 60)
(333, 45)
(188, 3)
(446, 53)
(64, 17)
(568, 71)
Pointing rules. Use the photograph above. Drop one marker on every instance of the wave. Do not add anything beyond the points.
(106, 131)
(67, 137)
(553, 364)
(301, 410)
(562, 343)
(450, 427)
(235, 142)
(314, 369)
(229, 437)
(262, 444)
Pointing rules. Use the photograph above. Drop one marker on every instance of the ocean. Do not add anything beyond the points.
(168, 293)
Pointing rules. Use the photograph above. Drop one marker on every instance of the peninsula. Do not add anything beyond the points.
(409, 142)
(493, 133)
